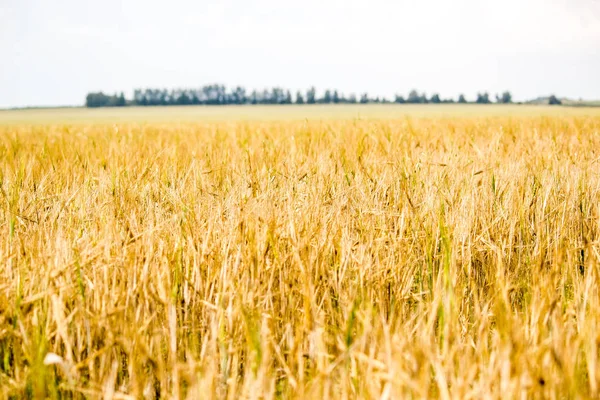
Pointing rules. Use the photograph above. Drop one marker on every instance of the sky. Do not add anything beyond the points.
(53, 52)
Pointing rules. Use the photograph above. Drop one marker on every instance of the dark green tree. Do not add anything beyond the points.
(183, 99)
(415, 98)
(238, 96)
(554, 101)
(311, 96)
(336, 97)
(327, 98)
(483, 98)
(399, 99)
(100, 99)
(505, 98)
(121, 102)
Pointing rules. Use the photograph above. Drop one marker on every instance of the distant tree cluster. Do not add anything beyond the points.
(211, 95)
(220, 95)
(482, 98)
(102, 100)
(553, 100)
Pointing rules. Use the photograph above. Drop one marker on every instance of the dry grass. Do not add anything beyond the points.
(408, 258)
(247, 113)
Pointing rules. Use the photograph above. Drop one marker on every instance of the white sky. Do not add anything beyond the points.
(54, 52)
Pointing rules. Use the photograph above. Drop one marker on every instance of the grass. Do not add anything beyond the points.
(401, 255)
(189, 114)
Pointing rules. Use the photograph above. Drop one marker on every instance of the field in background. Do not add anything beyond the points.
(277, 113)
(300, 252)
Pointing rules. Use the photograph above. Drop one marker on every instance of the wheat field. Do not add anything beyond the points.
(410, 256)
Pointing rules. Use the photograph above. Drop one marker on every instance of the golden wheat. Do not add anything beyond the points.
(445, 257)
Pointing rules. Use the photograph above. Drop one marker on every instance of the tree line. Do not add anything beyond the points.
(220, 95)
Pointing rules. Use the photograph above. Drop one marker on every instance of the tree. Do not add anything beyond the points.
(483, 98)
(311, 96)
(415, 98)
(216, 94)
(327, 98)
(553, 100)
(277, 96)
(336, 97)
(163, 98)
(100, 99)
(238, 96)
(183, 99)
(254, 97)
(96, 100)
(505, 98)
(121, 102)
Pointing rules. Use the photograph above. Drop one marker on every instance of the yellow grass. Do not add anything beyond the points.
(301, 256)
(186, 114)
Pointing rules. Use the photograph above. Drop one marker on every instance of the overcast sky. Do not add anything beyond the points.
(53, 52)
